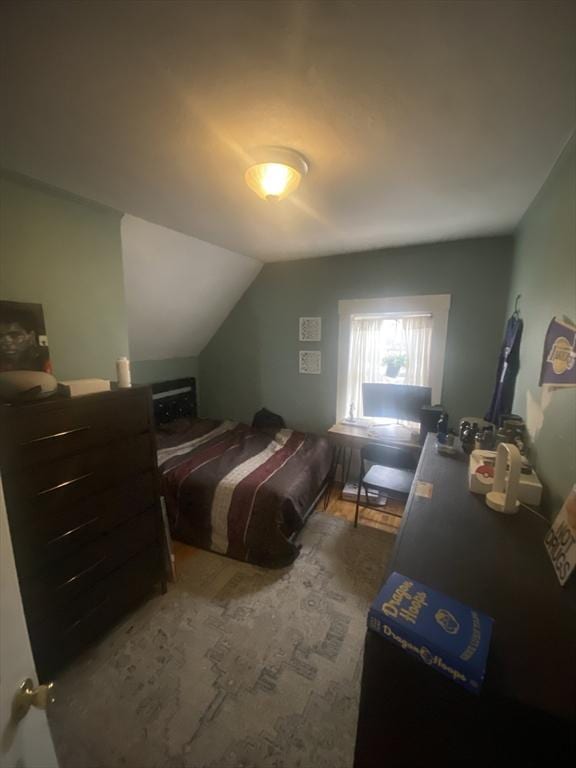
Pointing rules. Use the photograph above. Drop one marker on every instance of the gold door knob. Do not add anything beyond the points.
(28, 696)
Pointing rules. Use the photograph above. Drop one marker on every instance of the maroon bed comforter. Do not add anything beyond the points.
(241, 491)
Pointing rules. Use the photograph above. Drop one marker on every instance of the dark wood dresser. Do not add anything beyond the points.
(81, 487)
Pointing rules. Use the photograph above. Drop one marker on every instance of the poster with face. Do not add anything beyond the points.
(23, 342)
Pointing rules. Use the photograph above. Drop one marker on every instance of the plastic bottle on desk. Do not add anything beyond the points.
(442, 428)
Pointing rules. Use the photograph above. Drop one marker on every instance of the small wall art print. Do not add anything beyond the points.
(310, 329)
(559, 357)
(310, 361)
(23, 341)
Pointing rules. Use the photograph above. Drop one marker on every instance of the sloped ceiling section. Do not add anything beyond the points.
(179, 289)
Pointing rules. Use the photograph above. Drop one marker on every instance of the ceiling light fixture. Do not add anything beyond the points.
(276, 172)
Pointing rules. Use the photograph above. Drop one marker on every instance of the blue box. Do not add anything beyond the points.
(443, 633)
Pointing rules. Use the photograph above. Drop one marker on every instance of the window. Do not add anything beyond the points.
(396, 341)
(390, 349)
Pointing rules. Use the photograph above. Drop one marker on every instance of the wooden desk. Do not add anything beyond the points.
(347, 438)
(355, 437)
(525, 714)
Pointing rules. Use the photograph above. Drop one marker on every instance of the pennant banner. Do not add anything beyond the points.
(559, 358)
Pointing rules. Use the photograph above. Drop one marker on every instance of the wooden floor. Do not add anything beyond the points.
(370, 517)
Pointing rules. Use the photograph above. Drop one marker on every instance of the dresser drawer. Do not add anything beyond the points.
(55, 536)
(59, 582)
(41, 432)
(47, 489)
(70, 628)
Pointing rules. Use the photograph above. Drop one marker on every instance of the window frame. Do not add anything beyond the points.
(436, 305)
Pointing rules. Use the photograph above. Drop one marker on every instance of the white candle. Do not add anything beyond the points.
(123, 372)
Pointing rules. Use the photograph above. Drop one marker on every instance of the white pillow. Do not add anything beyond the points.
(26, 385)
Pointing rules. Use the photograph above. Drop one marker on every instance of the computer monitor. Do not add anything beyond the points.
(395, 401)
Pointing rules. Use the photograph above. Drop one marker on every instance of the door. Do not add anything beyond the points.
(28, 743)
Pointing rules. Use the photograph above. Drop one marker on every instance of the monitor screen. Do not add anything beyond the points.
(395, 401)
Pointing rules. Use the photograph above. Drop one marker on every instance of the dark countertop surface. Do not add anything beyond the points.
(498, 564)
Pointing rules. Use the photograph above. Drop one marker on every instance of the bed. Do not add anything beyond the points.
(233, 489)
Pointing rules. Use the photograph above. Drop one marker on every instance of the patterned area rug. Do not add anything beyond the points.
(236, 666)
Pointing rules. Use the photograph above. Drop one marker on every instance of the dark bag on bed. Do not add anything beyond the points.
(265, 420)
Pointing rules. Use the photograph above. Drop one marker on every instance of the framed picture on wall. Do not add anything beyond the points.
(310, 329)
(310, 361)
(23, 340)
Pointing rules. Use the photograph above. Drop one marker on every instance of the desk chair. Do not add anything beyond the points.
(392, 473)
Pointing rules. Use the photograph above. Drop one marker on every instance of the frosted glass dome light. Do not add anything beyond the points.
(277, 174)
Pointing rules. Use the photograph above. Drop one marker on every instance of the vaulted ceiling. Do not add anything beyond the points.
(178, 289)
(420, 120)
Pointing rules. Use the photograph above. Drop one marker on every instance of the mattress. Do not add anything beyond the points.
(240, 491)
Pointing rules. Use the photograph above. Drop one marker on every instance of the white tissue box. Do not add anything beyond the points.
(78, 387)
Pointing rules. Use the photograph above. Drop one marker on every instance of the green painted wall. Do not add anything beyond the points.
(147, 371)
(252, 361)
(544, 273)
(66, 254)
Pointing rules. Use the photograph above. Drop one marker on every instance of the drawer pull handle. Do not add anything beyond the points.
(87, 615)
(55, 435)
(71, 531)
(90, 568)
(64, 484)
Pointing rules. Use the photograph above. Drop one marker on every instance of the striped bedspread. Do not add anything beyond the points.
(240, 491)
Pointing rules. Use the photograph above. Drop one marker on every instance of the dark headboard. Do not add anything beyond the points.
(174, 399)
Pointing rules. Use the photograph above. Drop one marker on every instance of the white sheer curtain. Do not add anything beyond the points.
(418, 335)
(369, 341)
(365, 364)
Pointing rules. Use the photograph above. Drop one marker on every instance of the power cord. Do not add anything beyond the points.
(535, 512)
